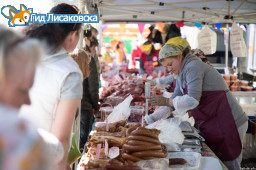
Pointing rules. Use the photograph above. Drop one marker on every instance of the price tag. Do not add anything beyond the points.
(107, 128)
(142, 120)
(117, 77)
(98, 151)
(159, 73)
(138, 76)
(124, 76)
(106, 147)
(145, 76)
(106, 84)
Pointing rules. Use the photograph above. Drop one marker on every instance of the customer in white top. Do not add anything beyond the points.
(57, 90)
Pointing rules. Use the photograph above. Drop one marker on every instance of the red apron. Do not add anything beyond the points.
(149, 67)
(217, 125)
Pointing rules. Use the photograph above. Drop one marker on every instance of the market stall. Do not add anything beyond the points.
(122, 139)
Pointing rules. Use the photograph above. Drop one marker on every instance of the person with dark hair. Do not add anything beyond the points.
(203, 93)
(173, 31)
(149, 58)
(93, 47)
(158, 37)
(90, 97)
(57, 89)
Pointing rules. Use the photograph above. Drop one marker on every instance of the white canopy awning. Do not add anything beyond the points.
(208, 11)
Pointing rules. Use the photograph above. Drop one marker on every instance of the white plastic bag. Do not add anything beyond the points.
(54, 147)
(121, 112)
(160, 113)
(170, 130)
(184, 103)
(184, 118)
(159, 164)
(237, 44)
(207, 40)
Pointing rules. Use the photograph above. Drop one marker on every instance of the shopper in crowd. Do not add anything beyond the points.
(202, 92)
(107, 55)
(172, 31)
(83, 60)
(121, 56)
(89, 101)
(57, 90)
(149, 58)
(90, 93)
(87, 39)
(93, 47)
(136, 53)
(21, 146)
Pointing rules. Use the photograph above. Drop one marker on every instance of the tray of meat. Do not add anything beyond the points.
(105, 111)
(114, 100)
(184, 160)
(136, 113)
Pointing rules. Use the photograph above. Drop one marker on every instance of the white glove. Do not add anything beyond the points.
(160, 113)
(184, 103)
(148, 119)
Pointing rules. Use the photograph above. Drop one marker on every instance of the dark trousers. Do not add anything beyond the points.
(85, 126)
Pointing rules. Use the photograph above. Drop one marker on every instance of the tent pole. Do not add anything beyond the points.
(226, 39)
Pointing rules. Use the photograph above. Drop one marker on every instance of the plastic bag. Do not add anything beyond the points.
(237, 44)
(121, 111)
(160, 164)
(184, 118)
(160, 113)
(170, 130)
(207, 40)
(54, 146)
(74, 152)
(184, 103)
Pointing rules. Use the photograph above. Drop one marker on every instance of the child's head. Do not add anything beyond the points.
(83, 60)
(18, 59)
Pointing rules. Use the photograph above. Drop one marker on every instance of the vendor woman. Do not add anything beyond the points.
(149, 58)
(205, 95)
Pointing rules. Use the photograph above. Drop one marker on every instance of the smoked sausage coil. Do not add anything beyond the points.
(155, 153)
(134, 148)
(130, 157)
(137, 142)
(144, 138)
(141, 131)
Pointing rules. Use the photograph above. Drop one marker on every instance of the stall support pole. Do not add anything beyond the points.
(146, 108)
(226, 39)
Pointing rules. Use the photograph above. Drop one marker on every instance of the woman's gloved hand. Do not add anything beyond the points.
(159, 100)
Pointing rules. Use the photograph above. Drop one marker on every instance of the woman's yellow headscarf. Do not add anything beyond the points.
(173, 47)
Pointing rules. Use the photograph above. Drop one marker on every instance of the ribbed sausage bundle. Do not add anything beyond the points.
(143, 144)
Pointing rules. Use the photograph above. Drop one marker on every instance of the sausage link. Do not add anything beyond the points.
(145, 132)
(134, 148)
(137, 142)
(156, 154)
(144, 138)
(130, 157)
